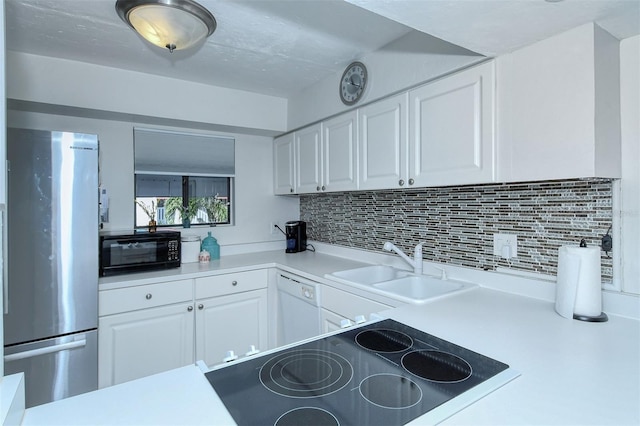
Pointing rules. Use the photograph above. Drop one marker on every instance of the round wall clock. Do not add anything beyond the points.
(353, 82)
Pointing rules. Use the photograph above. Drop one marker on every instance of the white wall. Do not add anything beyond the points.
(406, 62)
(75, 84)
(630, 184)
(255, 205)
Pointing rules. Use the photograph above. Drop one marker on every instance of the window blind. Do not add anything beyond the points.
(172, 153)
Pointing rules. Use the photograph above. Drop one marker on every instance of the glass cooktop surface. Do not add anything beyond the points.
(383, 373)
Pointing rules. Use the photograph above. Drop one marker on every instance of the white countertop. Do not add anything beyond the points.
(572, 372)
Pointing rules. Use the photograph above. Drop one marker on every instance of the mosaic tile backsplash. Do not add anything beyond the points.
(456, 224)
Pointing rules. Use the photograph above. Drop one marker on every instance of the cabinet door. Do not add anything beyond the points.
(339, 153)
(383, 143)
(330, 321)
(348, 305)
(283, 165)
(230, 323)
(452, 129)
(308, 146)
(140, 343)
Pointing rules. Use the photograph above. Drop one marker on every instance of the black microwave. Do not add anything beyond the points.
(138, 251)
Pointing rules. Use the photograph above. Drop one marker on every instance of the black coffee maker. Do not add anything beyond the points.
(296, 233)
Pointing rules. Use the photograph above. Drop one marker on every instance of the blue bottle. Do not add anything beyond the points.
(210, 244)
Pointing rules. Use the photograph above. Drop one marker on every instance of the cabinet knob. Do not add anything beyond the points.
(234, 283)
(323, 187)
(317, 188)
(411, 181)
(148, 296)
(201, 306)
(401, 182)
(190, 308)
(290, 189)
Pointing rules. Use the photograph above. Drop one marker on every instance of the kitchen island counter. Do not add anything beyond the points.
(572, 372)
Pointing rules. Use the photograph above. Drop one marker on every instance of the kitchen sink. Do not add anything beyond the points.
(369, 274)
(399, 284)
(419, 287)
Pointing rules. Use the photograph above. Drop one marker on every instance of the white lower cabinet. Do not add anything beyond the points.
(231, 323)
(143, 330)
(338, 305)
(147, 329)
(330, 321)
(231, 315)
(140, 343)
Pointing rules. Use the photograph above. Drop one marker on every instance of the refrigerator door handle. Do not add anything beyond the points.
(3, 265)
(47, 350)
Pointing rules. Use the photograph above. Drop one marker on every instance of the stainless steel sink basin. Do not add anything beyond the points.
(399, 284)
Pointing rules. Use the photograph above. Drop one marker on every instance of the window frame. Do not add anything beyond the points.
(185, 195)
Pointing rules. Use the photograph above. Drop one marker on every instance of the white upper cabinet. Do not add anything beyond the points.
(382, 143)
(451, 129)
(339, 160)
(559, 108)
(283, 165)
(308, 154)
(325, 155)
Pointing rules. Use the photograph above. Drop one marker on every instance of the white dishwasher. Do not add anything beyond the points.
(298, 309)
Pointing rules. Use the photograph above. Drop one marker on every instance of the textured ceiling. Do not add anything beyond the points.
(494, 27)
(279, 47)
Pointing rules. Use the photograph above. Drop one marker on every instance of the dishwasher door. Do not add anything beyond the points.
(298, 309)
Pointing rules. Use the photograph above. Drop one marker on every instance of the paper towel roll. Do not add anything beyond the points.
(579, 288)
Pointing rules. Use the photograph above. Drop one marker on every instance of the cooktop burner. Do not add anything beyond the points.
(383, 373)
(306, 373)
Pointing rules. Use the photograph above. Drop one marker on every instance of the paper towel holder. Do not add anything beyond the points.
(598, 318)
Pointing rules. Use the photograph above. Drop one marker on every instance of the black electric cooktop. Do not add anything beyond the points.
(383, 373)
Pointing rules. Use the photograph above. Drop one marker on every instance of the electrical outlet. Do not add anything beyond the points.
(505, 245)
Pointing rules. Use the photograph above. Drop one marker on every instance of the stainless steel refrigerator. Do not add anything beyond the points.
(51, 294)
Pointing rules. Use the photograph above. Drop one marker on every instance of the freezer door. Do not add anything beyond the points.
(55, 368)
(52, 218)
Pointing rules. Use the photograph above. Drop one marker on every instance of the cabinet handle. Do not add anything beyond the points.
(317, 188)
(401, 182)
(190, 308)
(411, 181)
(201, 306)
(148, 296)
(234, 283)
(290, 189)
(323, 187)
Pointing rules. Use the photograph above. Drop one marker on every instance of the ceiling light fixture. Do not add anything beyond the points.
(174, 24)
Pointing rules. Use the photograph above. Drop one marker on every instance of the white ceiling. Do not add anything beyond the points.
(279, 47)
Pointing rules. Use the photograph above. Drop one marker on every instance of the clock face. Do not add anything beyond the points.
(353, 82)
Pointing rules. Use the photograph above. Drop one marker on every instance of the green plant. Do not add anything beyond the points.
(150, 211)
(191, 210)
(216, 209)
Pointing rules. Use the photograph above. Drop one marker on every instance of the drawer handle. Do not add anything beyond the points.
(190, 308)
(201, 306)
(148, 296)
(234, 283)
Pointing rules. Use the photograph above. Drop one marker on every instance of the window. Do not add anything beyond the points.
(182, 176)
(203, 200)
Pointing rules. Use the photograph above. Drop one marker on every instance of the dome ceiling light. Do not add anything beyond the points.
(172, 24)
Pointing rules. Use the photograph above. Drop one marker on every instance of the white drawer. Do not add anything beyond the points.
(349, 305)
(219, 285)
(144, 296)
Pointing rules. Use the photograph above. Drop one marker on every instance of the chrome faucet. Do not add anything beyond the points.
(416, 263)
